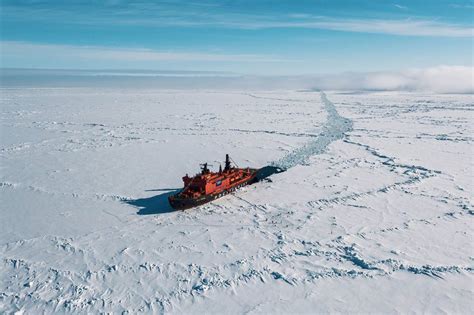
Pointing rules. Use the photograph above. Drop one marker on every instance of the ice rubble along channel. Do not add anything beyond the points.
(334, 129)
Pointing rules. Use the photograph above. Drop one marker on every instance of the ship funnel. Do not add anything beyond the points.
(227, 163)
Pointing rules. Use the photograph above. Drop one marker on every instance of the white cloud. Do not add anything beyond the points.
(401, 7)
(444, 79)
(195, 15)
(406, 27)
(440, 79)
(14, 49)
(463, 6)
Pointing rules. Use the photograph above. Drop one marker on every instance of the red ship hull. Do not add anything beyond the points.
(182, 201)
(207, 186)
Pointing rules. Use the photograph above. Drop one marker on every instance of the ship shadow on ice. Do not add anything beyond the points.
(159, 204)
(153, 205)
(267, 171)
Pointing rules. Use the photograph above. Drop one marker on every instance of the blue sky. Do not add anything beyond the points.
(243, 36)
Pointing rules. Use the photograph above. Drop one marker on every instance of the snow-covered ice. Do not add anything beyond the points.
(373, 214)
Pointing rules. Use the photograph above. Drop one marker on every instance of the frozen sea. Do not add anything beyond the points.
(373, 215)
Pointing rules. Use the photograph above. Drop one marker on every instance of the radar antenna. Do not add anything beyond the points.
(204, 169)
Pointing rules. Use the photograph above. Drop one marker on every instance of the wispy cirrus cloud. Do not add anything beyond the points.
(407, 27)
(399, 6)
(463, 6)
(196, 14)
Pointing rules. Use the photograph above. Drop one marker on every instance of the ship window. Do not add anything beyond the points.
(219, 182)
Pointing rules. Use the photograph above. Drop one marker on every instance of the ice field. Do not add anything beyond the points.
(374, 214)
